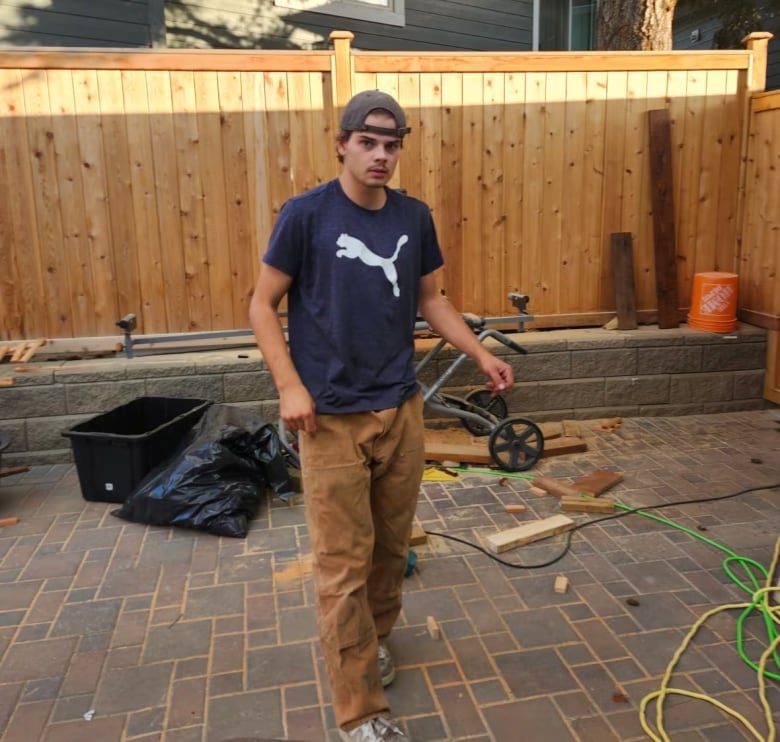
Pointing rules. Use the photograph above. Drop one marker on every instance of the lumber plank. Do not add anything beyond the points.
(528, 533)
(563, 445)
(555, 487)
(587, 505)
(13, 470)
(623, 270)
(467, 454)
(551, 430)
(597, 481)
(662, 186)
(18, 352)
(31, 349)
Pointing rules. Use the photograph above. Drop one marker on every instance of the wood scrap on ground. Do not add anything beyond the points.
(563, 445)
(515, 508)
(433, 627)
(551, 430)
(7, 381)
(528, 533)
(14, 470)
(587, 505)
(8, 521)
(610, 425)
(561, 584)
(419, 536)
(597, 481)
(555, 487)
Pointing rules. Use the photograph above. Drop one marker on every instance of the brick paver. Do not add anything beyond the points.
(114, 631)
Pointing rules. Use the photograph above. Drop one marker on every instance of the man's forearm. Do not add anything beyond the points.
(273, 346)
(444, 320)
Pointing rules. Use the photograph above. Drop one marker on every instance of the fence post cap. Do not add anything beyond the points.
(757, 36)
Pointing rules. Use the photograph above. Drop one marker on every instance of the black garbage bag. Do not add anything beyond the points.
(216, 479)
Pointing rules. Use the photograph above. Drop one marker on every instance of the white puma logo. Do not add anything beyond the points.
(352, 247)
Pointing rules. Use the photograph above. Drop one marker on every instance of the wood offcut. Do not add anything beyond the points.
(587, 505)
(528, 533)
(23, 351)
(597, 481)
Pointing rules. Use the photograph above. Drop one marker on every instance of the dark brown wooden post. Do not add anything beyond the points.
(661, 186)
(623, 273)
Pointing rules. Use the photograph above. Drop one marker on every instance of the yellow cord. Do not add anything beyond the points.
(660, 695)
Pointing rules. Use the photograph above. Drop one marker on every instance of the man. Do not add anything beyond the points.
(356, 260)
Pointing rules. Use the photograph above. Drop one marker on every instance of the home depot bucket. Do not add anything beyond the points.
(714, 302)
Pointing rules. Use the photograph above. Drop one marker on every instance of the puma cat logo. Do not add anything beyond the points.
(352, 247)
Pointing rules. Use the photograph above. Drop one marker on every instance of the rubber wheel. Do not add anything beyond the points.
(516, 444)
(495, 405)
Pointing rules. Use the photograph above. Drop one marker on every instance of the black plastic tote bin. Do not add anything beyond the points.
(115, 450)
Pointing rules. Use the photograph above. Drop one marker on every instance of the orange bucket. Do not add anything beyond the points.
(714, 302)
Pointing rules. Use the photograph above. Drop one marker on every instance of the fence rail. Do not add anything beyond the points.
(148, 182)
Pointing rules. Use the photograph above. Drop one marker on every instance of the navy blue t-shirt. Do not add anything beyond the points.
(353, 301)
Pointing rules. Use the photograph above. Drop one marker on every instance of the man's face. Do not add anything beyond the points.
(371, 158)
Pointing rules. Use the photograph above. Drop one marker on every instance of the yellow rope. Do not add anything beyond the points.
(660, 695)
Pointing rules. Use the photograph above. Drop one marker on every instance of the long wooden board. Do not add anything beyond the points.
(623, 270)
(662, 185)
(528, 533)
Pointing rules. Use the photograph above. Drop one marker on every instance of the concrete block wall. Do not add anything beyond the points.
(566, 374)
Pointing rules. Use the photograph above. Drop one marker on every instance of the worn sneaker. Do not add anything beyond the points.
(381, 729)
(386, 664)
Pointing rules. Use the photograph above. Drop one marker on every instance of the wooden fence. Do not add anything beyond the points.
(148, 181)
(759, 259)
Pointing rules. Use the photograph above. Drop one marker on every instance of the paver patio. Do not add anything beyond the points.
(116, 631)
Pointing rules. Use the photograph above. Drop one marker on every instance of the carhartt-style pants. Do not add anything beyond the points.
(361, 478)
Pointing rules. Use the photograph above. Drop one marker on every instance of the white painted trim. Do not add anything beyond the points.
(390, 12)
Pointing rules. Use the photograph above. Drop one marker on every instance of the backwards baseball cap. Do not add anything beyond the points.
(361, 105)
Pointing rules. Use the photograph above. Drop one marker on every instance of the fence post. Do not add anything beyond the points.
(342, 66)
(757, 43)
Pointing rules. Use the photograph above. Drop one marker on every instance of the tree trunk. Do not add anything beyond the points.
(634, 25)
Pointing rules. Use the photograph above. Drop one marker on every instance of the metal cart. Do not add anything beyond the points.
(514, 443)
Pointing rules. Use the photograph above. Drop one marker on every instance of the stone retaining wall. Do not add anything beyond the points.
(567, 374)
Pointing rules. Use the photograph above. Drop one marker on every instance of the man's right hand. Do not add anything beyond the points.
(296, 408)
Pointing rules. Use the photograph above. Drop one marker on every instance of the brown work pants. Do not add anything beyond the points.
(361, 478)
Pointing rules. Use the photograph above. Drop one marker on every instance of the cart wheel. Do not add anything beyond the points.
(516, 444)
(495, 405)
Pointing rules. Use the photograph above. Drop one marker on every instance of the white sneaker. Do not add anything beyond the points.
(386, 664)
(380, 729)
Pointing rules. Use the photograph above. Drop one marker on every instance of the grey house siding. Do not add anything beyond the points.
(686, 23)
(87, 23)
(773, 63)
(431, 25)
